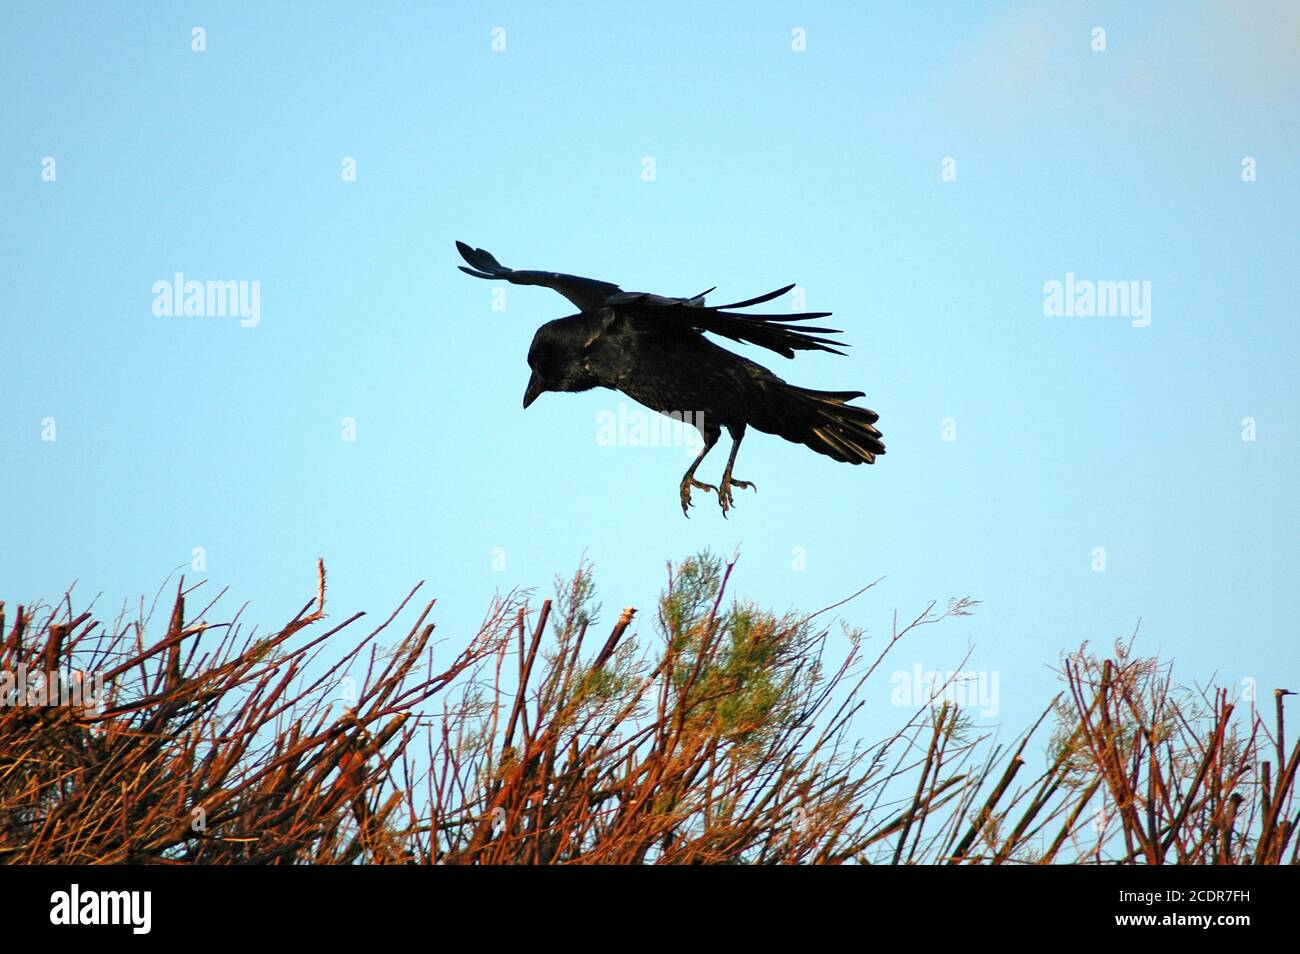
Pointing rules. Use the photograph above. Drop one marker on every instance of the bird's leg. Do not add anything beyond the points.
(724, 489)
(710, 435)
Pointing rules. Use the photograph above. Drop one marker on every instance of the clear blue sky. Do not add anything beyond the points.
(820, 167)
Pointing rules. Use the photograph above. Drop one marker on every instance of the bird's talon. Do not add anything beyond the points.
(725, 499)
(686, 492)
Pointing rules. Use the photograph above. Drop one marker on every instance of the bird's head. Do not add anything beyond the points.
(558, 358)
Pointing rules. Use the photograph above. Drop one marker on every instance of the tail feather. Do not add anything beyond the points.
(827, 423)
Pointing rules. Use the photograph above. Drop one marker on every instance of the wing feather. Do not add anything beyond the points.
(780, 333)
(589, 294)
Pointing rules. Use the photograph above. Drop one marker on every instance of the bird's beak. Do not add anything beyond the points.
(535, 388)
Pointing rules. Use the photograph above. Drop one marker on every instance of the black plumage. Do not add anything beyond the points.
(654, 350)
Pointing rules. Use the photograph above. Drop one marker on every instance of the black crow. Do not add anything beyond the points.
(653, 349)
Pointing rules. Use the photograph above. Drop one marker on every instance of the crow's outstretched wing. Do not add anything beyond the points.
(778, 333)
(587, 293)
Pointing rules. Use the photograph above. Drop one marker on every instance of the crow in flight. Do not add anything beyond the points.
(653, 349)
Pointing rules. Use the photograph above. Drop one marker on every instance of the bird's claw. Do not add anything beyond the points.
(725, 500)
(687, 484)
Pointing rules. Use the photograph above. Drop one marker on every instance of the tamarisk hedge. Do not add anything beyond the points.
(727, 735)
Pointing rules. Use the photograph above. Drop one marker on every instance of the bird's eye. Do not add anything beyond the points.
(542, 361)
